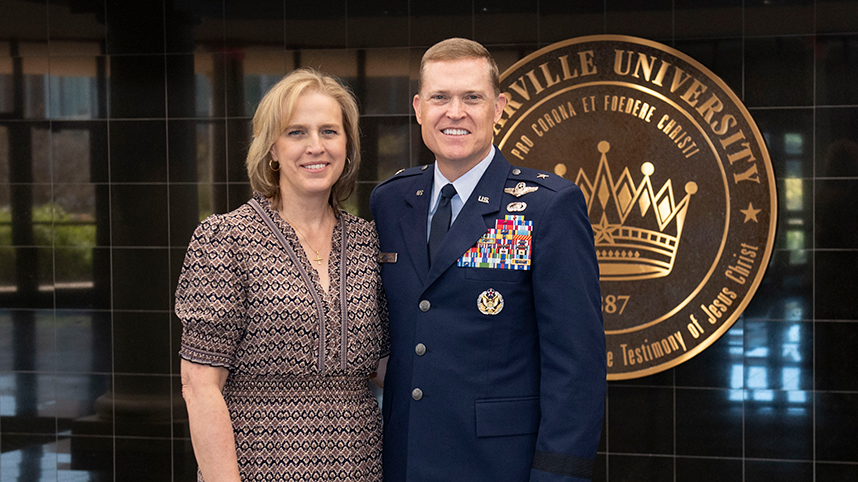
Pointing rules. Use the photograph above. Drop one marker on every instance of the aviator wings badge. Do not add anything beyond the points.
(520, 189)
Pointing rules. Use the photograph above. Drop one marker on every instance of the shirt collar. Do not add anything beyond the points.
(465, 184)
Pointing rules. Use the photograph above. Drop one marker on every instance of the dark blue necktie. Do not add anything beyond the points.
(441, 220)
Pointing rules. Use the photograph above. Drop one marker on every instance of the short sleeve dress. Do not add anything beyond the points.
(297, 390)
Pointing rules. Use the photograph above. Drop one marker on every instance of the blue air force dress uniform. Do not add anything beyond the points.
(497, 365)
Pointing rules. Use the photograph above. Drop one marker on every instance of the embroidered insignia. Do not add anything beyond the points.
(490, 302)
(516, 207)
(541, 175)
(483, 199)
(397, 172)
(424, 167)
(520, 189)
(506, 246)
(420, 192)
(516, 172)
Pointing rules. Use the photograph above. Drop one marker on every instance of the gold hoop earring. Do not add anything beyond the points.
(271, 165)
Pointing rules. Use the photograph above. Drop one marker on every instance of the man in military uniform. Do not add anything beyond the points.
(497, 365)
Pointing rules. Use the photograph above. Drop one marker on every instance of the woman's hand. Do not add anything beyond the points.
(377, 376)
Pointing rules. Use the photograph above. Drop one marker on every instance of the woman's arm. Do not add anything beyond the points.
(211, 428)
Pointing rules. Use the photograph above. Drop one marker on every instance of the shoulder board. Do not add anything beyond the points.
(403, 173)
(550, 180)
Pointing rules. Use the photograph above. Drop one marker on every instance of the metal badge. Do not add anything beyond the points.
(397, 172)
(490, 302)
(483, 199)
(424, 167)
(520, 189)
(542, 176)
(387, 257)
(516, 207)
(420, 192)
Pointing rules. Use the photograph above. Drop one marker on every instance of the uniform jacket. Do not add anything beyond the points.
(513, 396)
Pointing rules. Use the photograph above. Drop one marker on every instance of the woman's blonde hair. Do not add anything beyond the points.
(274, 113)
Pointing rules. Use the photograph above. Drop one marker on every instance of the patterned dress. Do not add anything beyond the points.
(297, 388)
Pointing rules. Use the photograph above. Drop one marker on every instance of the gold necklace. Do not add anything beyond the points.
(318, 259)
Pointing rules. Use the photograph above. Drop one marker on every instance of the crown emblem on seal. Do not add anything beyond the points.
(639, 229)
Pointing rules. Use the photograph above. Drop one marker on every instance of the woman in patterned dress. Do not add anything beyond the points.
(283, 313)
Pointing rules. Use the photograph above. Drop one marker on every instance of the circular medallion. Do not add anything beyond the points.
(490, 302)
(678, 183)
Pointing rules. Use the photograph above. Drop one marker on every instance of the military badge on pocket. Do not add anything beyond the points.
(490, 302)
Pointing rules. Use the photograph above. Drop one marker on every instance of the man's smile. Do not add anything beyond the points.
(455, 132)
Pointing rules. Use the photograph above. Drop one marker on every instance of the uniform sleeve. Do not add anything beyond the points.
(571, 340)
(381, 300)
(211, 296)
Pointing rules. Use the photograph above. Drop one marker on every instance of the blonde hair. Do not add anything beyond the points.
(460, 48)
(274, 113)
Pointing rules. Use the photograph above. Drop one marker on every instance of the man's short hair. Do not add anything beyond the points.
(459, 48)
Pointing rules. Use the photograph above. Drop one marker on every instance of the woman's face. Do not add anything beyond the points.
(312, 149)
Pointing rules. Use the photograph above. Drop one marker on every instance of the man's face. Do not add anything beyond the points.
(456, 109)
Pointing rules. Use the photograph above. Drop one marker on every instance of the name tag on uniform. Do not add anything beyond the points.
(387, 257)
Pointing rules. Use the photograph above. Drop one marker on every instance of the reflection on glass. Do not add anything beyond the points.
(5, 216)
(392, 148)
(205, 152)
(757, 377)
(203, 73)
(262, 69)
(793, 168)
(255, 86)
(4, 154)
(387, 82)
(36, 463)
(40, 154)
(69, 230)
(766, 365)
(793, 143)
(342, 63)
(759, 352)
(74, 97)
(7, 97)
(35, 87)
(790, 378)
(71, 153)
(762, 395)
(793, 310)
(794, 194)
(8, 271)
(795, 242)
(8, 405)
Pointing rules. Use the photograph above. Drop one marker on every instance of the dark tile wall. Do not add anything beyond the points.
(122, 124)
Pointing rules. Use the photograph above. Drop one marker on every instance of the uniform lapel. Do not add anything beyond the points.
(413, 223)
(469, 225)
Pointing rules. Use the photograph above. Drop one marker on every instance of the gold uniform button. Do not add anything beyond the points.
(417, 394)
(425, 305)
(420, 349)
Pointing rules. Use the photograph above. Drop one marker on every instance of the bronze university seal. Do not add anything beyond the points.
(678, 183)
